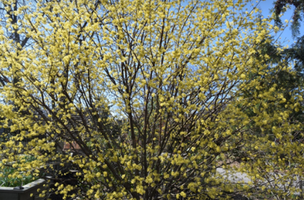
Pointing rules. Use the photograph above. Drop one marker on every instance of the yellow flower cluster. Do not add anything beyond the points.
(146, 99)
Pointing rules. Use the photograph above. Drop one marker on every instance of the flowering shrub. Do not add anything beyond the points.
(150, 91)
(7, 178)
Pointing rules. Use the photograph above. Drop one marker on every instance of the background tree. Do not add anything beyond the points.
(172, 72)
(282, 5)
(290, 86)
(295, 52)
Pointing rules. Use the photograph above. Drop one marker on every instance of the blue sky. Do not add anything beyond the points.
(286, 35)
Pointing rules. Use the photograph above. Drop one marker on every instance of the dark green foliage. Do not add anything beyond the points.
(279, 8)
(288, 83)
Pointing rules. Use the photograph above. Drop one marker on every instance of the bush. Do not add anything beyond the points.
(148, 90)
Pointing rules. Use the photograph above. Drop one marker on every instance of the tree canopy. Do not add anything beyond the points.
(281, 6)
(151, 93)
